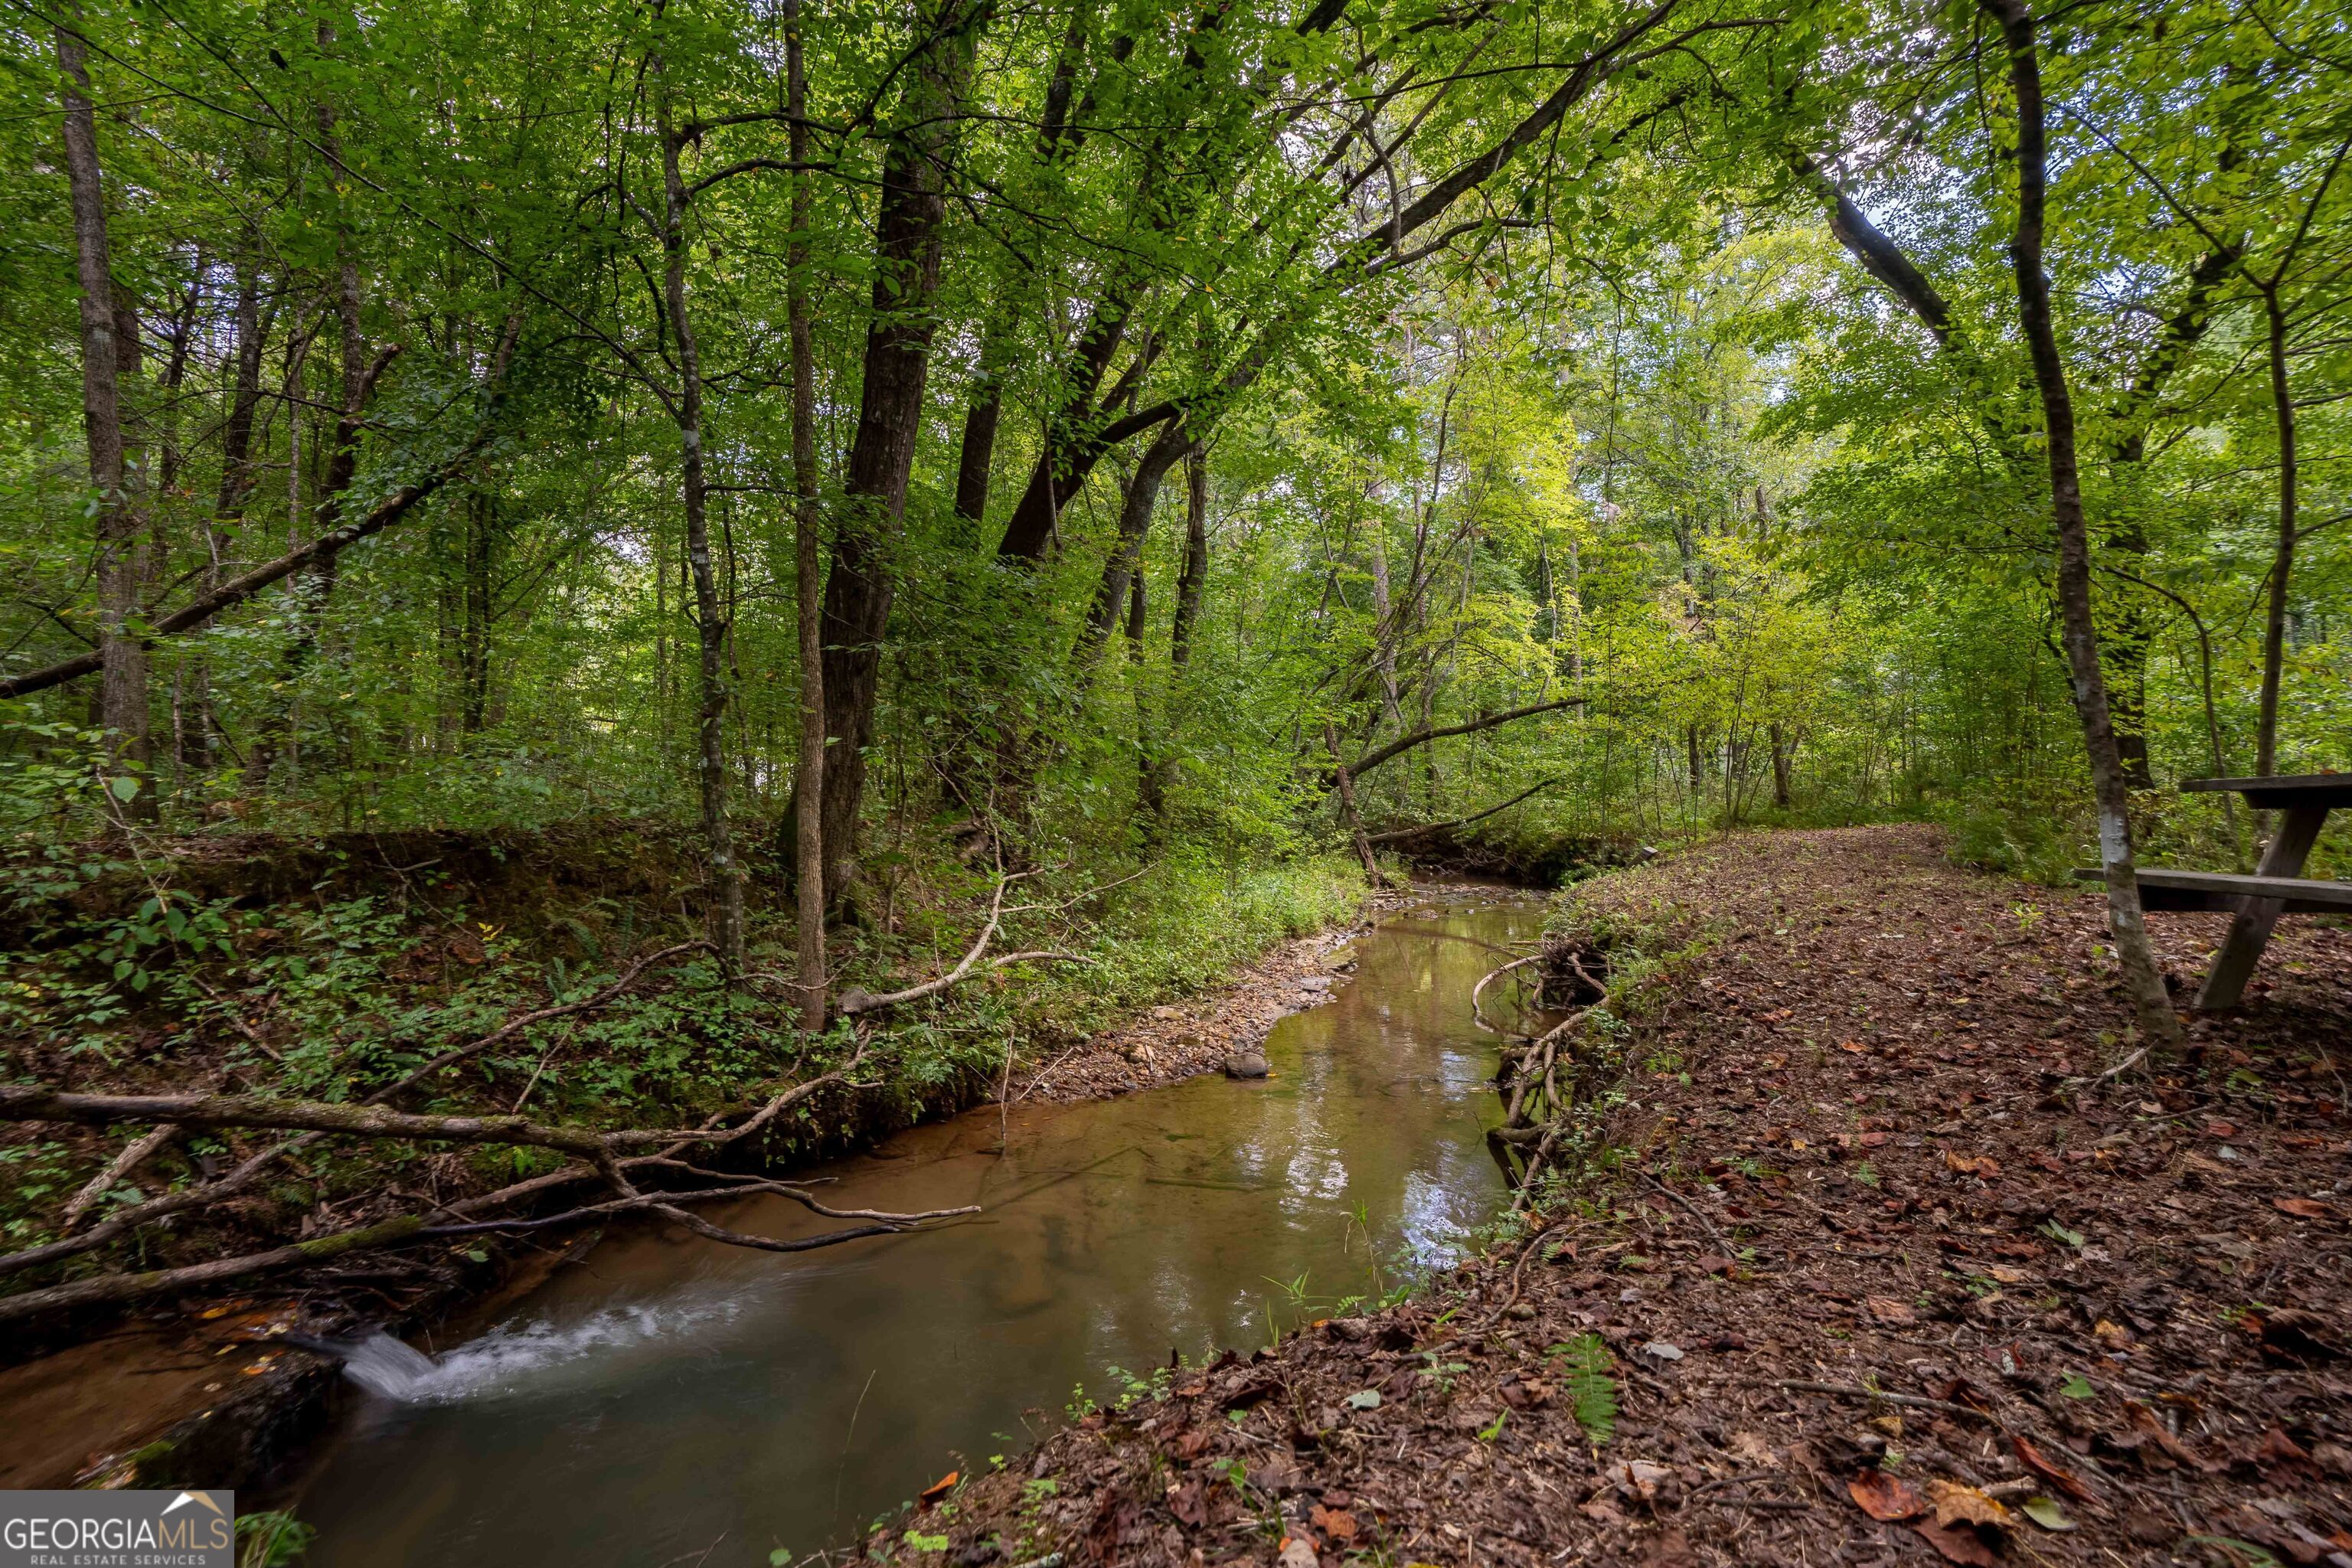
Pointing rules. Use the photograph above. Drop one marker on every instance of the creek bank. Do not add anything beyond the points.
(1871, 1265)
(210, 1392)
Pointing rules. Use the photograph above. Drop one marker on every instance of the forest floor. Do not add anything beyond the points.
(1876, 1270)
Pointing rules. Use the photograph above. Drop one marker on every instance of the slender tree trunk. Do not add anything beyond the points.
(2142, 980)
(808, 566)
(976, 457)
(474, 621)
(726, 913)
(123, 695)
(1346, 782)
(1385, 626)
(858, 590)
(2282, 560)
(1782, 755)
(1193, 581)
(1142, 499)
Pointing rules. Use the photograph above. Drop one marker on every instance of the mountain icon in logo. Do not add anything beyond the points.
(187, 1498)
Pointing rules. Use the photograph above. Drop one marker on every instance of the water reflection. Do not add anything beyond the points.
(667, 1394)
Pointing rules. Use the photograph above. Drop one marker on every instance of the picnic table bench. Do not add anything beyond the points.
(2276, 887)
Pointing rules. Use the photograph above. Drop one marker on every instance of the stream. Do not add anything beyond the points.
(672, 1400)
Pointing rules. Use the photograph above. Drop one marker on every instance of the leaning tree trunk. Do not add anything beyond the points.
(122, 696)
(1142, 498)
(2143, 981)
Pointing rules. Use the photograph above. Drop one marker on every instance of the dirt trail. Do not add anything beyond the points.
(1851, 1153)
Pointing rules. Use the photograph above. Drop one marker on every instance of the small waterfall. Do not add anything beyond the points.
(385, 1365)
(516, 1358)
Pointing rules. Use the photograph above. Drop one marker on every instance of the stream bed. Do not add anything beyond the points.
(669, 1400)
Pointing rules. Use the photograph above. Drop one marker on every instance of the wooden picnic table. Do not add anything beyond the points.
(2277, 886)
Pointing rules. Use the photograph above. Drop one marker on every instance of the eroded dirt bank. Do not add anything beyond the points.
(1875, 1270)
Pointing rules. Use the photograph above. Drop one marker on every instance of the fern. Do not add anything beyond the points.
(1583, 1364)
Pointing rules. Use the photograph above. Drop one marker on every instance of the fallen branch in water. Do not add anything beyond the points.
(1477, 1014)
(601, 1155)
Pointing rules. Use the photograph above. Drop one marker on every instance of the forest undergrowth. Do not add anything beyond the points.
(331, 970)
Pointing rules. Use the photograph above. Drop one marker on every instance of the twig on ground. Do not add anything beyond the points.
(132, 1156)
(1704, 1224)
(1848, 1391)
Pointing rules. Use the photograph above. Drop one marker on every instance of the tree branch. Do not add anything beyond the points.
(1373, 759)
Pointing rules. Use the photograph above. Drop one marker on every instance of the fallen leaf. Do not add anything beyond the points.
(1337, 1523)
(1885, 1498)
(1297, 1553)
(1662, 1350)
(940, 1488)
(1983, 1165)
(1854, 1046)
(2144, 1420)
(1364, 1399)
(2218, 1128)
(1957, 1504)
(1190, 1503)
(2302, 1209)
(1887, 1309)
(1526, 1393)
(2278, 1448)
(2041, 1465)
(1959, 1543)
(1639, 1479)
(2112, 1335)
(1672, 1549)
(2045, 1512)
(1192, 1443)
(2002, 1274)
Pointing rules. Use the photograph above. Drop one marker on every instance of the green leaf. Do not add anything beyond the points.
(122, 788)
(1364, 1399)
(2045, 1512)
(2077, 1386)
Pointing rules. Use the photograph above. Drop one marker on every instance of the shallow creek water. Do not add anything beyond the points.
(668, 1396)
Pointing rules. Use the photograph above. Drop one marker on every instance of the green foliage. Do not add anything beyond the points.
(1583, 1365)
(271, 1540)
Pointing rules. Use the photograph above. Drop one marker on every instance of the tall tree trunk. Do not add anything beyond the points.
(808, 564)
(858, 590)
(2282, 560)
(1194, 580)
(1385, 626)
(123, 695)
(474, 619)
(976, 456)
(726, 912)
(1782, 755)
(2142, 980)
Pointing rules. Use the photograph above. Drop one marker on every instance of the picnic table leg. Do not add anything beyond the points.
(2250, 932)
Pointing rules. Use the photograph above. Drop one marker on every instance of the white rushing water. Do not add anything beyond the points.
(518, 1358)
